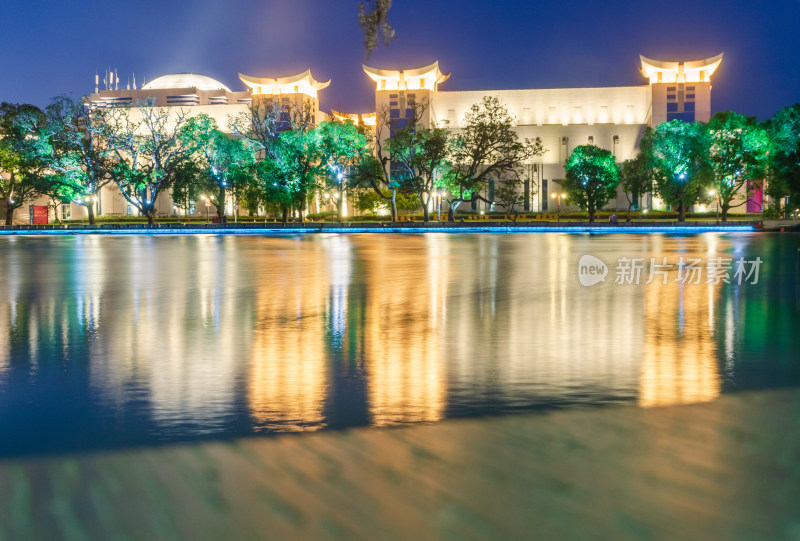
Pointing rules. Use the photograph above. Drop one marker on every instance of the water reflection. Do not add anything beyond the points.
(405, 313)
(287, 378)
(113, 341)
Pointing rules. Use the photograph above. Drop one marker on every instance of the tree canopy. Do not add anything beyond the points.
(592, 177)
(676, 153)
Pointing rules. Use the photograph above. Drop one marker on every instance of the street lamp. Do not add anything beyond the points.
(207, 199)
(557, 196)
(712, 193)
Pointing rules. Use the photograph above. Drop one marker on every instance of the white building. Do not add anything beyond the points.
(613, 118)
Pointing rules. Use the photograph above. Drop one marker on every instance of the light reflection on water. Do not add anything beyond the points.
(113, 341)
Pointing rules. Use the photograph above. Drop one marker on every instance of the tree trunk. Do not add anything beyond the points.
(284, 214)
(90, 209)
(394, 206)
(681, 212)
(339, 203)
(221, 217)
(9, 214)
(151, 217)
(425, 216)
(452, 207)
(591, 215)
(724, 212)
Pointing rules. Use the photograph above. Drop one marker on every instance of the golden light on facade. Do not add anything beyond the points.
(697, 71)
(425, 78)
(302, 83)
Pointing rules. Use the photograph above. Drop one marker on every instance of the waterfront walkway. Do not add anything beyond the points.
(729, 469)
(387, 227)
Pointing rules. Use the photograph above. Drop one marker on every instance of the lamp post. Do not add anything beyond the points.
(207, 200)
(557, 196)
(712, 193)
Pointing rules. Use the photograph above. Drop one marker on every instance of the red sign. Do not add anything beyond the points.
(39, 215)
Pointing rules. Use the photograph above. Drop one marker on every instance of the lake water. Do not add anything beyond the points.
(109, 342)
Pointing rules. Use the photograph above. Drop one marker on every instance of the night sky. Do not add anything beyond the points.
(55, 47)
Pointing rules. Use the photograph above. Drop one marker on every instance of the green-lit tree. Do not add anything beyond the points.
(419, 155)
(784, 158)
(485, 149)
(22, 143)
(342, 147)
(737, 154)
(297, 162)
(78, 158)
(147, 149)
(225, 160)
(592, 177)
(677, 156)
(635, 180)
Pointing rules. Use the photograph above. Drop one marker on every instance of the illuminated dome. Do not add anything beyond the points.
(185, 80)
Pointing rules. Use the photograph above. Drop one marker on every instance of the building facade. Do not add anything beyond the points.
(613, 118)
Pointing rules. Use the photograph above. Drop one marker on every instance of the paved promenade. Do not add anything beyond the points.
(729, 469)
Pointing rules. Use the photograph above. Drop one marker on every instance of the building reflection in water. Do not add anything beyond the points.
(406, 313)
(239, 335)
(287, 374)
(181, 323)
(680, 359)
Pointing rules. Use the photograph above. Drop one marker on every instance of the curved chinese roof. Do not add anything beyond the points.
(428, 77)
(301, 83)
(695, 71)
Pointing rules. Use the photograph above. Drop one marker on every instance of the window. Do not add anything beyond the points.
(670, 96)
(392, 104)
(686, 116)
(671, 89)
(129, 209)
(544, 194)
(411, 95)
(591, 139)
(410, 113)
(690, 97)
(392, 96)
(394, 113)
(66, 211)
(672, 107)
(689, 89)
(688, 107)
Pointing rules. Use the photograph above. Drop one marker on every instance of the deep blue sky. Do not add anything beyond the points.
(51, 48)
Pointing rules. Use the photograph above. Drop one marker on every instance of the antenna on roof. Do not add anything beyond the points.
(116, 79)
(134, 81)
(129, 84)
(96, 82)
